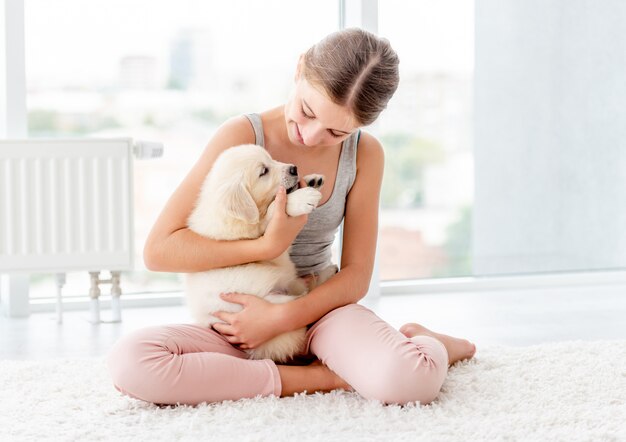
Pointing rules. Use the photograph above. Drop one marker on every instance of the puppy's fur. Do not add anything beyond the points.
(237, 202)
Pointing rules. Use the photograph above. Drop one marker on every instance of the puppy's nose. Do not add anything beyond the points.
(293, 170)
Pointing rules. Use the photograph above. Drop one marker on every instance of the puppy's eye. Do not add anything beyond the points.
(264, 171)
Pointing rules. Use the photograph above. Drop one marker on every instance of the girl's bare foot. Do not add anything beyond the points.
(458, 349)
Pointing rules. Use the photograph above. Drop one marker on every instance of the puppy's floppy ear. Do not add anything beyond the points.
(238, 202)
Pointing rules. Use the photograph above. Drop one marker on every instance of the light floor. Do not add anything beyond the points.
(516, 318)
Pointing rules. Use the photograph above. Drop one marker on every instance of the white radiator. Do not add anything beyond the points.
(67, 205)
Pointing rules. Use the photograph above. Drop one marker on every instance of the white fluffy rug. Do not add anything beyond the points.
(566, 391)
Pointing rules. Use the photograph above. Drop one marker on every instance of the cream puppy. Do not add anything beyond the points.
(236, 202)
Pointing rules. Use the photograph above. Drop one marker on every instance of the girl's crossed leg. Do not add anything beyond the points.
(378, 361)
(189, 364)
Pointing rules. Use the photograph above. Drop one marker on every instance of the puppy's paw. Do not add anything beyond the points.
(314, 180)
(303, 201)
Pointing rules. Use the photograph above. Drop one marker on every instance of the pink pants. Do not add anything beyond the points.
(189, 364)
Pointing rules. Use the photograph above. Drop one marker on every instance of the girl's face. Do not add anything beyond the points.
(313, 120)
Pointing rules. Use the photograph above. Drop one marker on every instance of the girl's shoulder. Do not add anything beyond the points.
(237, 129)
(233, 132)
(369, 150)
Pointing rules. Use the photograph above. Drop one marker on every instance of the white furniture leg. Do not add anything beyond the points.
(116, 292)
(94, 294)
(60, 284)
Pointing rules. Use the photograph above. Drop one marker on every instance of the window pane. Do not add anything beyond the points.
(427, 133)
(163, 71)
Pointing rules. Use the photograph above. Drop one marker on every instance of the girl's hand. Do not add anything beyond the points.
(258, 322)
(282, 228)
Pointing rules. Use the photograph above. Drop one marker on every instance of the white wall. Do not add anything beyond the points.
(550, 136)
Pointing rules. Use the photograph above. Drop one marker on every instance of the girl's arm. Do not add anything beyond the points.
(359, 243)
(172, 247)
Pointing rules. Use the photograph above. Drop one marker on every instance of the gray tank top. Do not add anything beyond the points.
(311, 250)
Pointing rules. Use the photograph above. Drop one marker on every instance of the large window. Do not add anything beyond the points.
(539, 120)
(173, 72)
(427, 133)
(163, 71)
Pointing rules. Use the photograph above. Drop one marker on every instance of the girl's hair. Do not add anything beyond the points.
(356, 69)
